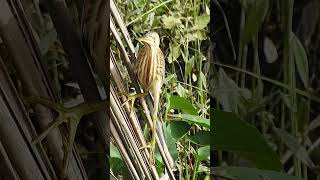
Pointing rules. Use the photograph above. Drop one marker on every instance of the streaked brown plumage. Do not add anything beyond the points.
(150, 70)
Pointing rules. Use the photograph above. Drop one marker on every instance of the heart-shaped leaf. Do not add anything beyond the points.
(201, 138)
(194, 120)
(230, 133)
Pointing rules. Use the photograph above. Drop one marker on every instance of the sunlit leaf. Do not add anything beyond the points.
(204, 80)
(201, 22)
(181, 90)
(177, 102)
(194, 77)
(194, 120)
(169, 22)
(203, 153)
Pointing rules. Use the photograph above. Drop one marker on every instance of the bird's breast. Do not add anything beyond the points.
(148, 68)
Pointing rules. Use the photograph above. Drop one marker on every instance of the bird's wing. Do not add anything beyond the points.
(142, 67)
(161, 62)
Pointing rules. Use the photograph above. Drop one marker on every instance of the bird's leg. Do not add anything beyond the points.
(71, 115)
(153, 140)
(156, 90)
(152, 145)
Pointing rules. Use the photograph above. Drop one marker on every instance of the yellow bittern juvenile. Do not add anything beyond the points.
(150, 69)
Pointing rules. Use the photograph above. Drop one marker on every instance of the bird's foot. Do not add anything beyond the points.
(68, 115)
(132, 98)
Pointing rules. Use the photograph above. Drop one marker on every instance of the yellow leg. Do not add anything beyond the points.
(132, 98)
(153, 139)
(68, 115)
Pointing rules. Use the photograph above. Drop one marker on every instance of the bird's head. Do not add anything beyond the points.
(151, 38)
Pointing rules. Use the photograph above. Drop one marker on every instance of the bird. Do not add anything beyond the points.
(150, 71)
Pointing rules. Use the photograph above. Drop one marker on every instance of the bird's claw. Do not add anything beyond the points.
(68, 115)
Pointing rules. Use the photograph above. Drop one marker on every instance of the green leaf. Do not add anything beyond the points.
(194, 120)
(170, 141)
(170, 22)
(255, 16)
(181, 90)
(189, 65)
(203, 79)
(177, 102)
(230, 133)
(301, 59)
(203, 153)
(116, 163)
(292, 143)
(174, 52)
(114, 153)
(243, 173)
(201, 138)
(178, 129)
(201, 22)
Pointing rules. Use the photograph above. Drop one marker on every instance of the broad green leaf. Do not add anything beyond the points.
(201, 138)
(201, 22)
(116, 163)
(243, 173)
(292, 143)
(178, 129)
(177, 102)
(270, 50)
(255, 16)
(230, 133)
(169, 22)
(170, 141)
(194, 120)
(203, 153)
(301, 59)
